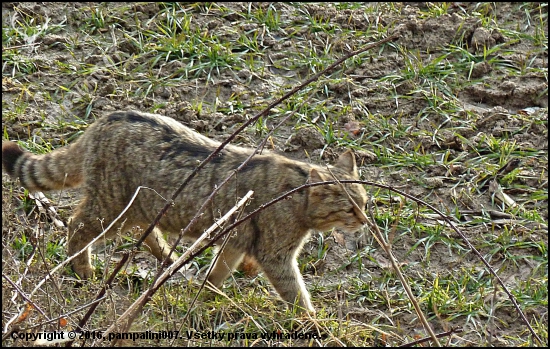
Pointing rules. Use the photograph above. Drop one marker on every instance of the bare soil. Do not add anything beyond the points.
(59, 102)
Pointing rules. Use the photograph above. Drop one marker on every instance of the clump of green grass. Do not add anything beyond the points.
(405, 111)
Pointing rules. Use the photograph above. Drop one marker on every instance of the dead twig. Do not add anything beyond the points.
(448, 220)
(24, 310)
(439, 335)
(123, 322)
(387, 248)
(215, 152)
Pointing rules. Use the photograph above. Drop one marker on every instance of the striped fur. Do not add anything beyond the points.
(124, 150)
(54, 171)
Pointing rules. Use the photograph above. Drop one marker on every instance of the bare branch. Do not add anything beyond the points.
(215, 152)
(439, 335)
(387, 248)
(447, 219)
(124, 321)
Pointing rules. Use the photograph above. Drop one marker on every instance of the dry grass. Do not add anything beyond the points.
(438, 114)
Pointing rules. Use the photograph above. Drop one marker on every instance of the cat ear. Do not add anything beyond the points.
(346, 162)
(315, 176)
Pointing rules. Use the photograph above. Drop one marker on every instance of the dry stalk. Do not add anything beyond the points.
(205, 281)
(463, 237)
(65, 262)
(182, 186)
(123, 322)
(241, 166)
(16, 318)
(387, 248)
(419, 201)
(85, 248)
(214, 153)
(439, 335)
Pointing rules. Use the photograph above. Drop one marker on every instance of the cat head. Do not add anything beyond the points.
(329, 206)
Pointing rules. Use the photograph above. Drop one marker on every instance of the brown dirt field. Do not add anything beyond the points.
(438, 114)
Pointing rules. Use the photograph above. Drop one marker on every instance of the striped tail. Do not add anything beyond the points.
(62, 168)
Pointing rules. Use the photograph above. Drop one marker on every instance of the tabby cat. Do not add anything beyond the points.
(124, 150)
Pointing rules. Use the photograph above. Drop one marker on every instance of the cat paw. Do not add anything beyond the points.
(84, 271)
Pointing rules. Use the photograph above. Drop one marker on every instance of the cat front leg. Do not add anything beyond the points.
(228, 260)
(83, 228)
(286, 278)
